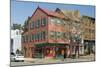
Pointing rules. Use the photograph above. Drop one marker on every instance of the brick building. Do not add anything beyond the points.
(52, 34)
(88, 36)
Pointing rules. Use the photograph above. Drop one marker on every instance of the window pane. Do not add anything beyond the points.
(44, 35)
(32, 37)
(32, 25)
(44, 22)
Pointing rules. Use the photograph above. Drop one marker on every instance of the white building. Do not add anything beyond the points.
(15, 40)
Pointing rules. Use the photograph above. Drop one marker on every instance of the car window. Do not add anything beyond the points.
(12, 54)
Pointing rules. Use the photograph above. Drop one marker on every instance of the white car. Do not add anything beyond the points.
(17, 57)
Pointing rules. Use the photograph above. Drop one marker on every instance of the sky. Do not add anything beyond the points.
(20, 10)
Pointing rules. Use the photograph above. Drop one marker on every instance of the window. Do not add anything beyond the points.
(38, 24)
(42, 35)
(64, 35)
(58, 34)
(38, 36)
(52, 33)
(33, 37)
(58, 21)
(32, 25)
(44, 22)
(52, 20)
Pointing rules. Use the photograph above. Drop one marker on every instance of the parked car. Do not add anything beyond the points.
(12, 57)
(17, 57)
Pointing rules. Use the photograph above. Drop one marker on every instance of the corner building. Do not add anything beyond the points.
(47, 34)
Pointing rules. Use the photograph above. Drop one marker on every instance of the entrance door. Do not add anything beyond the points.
(49, 52)
(60, 52)
(38, 52)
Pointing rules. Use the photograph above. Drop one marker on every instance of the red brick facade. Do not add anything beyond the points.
(47, 35)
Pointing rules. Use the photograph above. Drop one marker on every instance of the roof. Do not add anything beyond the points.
(88, 17)
(71, 14)
(50, 13)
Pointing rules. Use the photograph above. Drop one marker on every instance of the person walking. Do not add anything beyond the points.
(64, 56)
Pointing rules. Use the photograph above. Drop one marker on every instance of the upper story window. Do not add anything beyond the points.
(33, 24)
(59, 34)
(38, 23)
(38, 36)
(44, 35)
(52, 20)
(33, 37)
(52, 34)
(57, 21)
(44, 21)
(65, 35)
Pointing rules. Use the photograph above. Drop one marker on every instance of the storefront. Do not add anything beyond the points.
(89, 46)
(51, 50)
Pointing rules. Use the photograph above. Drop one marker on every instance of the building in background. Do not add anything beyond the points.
(88, 36)
(15, 39)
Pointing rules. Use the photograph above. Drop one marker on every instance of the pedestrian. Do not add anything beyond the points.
(64, 55)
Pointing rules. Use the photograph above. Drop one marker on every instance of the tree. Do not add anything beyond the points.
(16, 26)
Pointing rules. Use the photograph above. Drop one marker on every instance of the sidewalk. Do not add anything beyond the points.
(67, 60)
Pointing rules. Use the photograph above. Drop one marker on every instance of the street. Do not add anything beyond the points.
(54, 61)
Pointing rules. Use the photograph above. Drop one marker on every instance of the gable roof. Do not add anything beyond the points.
(50, 13)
